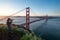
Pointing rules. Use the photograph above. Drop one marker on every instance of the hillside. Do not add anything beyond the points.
(17, 34)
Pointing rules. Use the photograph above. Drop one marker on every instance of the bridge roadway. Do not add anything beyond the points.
(33, 21)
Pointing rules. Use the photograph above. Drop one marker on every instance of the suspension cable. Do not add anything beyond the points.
(33, 12)
(13, 14)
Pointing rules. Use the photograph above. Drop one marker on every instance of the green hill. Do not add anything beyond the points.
(17, 34)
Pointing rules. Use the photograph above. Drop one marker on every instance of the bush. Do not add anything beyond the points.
(17, 34)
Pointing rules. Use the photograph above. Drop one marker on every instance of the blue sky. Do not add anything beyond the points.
(38, 7)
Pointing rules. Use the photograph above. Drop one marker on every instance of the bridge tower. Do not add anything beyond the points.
(46, 17)
(28, 17)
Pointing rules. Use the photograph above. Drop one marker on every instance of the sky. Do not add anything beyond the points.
(37, 7)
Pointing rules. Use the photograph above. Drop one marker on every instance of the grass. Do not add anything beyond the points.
(16, 34)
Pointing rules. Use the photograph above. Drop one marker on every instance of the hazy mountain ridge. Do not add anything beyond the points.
(30, 16)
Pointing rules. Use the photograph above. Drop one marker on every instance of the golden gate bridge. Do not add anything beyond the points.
(27, 17)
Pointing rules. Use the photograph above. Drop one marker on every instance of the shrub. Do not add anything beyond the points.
(17, 34)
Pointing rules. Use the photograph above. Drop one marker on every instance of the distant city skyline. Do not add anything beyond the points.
(38, 7)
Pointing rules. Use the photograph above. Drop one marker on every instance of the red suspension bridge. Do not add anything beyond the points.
(27, 17)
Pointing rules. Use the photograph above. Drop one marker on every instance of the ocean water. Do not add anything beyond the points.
(49, 30)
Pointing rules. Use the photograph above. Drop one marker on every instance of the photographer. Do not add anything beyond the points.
(9, 24)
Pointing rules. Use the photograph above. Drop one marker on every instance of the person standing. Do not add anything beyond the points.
(9, 24)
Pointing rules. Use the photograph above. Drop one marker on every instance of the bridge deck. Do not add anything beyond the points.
(33, 21)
